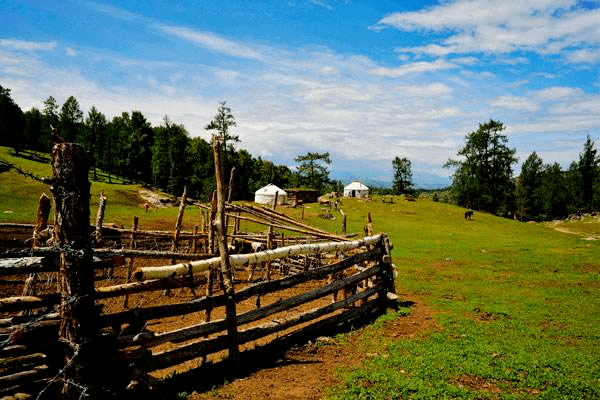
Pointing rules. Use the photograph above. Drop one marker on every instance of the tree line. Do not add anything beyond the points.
(483, 179)
(167, 157)
(163, 156)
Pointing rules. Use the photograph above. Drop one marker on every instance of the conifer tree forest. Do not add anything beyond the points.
(166, 157)
(163, 156)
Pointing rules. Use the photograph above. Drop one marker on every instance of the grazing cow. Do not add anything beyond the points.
(468, 215)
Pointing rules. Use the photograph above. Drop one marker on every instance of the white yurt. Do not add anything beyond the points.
(356, 189)
(266, 195)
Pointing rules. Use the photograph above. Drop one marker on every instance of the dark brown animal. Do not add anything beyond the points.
(468, 215)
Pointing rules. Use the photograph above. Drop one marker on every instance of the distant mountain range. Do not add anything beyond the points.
(421, 180)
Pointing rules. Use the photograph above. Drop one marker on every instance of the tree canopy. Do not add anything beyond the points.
(312, 169)
(402, 183)
(483, 179)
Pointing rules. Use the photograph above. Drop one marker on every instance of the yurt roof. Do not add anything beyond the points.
(270, 189)
(356, 185)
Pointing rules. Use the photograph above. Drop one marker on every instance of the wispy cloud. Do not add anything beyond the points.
(211, 41)
(414, 68)
(501, 26)
(26, 45)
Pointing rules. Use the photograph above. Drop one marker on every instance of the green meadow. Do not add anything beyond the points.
(516, 307)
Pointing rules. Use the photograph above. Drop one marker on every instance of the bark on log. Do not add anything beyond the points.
(170, 271)
(343, 222)
(179, 219)
(136, 221)
(71, 190)
(22, 362)
(226, 270)
(25, 377)
(145, 286)
(43, 212)
(100, 219)
(20, 303)
(152, 254)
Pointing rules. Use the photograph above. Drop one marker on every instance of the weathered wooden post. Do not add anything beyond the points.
(43, 211)
(230, 194)
(194, 239)
(78, 315)
(219, 223)
(368, 225)
(343, 222)
(136, 221)
(211, 228)
(100, 219)
(179, 219)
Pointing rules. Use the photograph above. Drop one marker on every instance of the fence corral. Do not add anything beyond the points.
(79, 332)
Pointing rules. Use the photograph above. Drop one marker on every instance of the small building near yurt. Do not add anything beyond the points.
(266, 195)
(356, 189)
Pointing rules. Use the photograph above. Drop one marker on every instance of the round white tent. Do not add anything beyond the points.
(356, 189)
(266, 195)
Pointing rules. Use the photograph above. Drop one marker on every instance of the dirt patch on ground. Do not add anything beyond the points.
(420, 321)
(304, 373)
(153, 199)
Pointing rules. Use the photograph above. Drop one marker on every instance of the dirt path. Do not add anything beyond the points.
(303, 373)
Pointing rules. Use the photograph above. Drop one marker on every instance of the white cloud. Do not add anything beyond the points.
(504, 26)
(70, 52)
(212, 42)
(26, 45)
(413, 68)
(557, 92)
(515, 103)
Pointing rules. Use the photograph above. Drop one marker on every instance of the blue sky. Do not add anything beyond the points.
(364, 80)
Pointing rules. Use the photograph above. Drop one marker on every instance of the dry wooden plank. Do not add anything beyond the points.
(204, 329)
(168, 358)
(271, 327)
(27, 361)
(146, 286)
(18, 378)
(149, 254)
(162, 311)
(20, 303)
(27, 265)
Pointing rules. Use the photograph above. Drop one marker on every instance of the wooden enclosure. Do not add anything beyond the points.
(99, 311)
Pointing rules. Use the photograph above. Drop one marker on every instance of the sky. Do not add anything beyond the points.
(366, 81)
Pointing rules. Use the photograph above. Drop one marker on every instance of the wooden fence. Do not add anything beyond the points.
(83, 334)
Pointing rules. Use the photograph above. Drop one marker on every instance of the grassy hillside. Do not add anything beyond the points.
(19, 195)
(516, 307)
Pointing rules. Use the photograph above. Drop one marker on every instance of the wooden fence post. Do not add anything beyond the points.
(78, 315)
(43, 211)
(219, 223)
(136, 221)
(368, 225)
(211, 228)
(179, 219)
(100, 219)
(343, 222)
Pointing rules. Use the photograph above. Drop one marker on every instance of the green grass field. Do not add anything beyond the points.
(516, 306)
